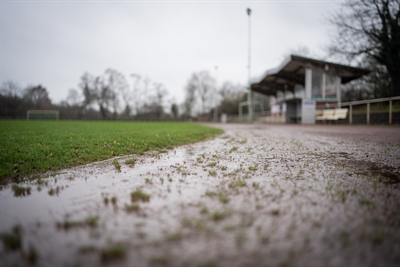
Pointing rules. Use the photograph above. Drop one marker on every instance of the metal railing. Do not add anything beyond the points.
(368, 103)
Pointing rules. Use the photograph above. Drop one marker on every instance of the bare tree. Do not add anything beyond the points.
(74, 98)
(160, 94)
(174, 110)
(103, 95)
(38, 97)
(11, 99)
(232, 95)
(201, 86)
(88, 90)
(190, 100)
(116, 85)
(135, 92)
(369, 30)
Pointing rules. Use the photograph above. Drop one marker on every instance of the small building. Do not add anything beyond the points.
(301, 84)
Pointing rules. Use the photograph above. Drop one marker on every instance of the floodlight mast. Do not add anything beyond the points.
(216, 88)
(249, 94)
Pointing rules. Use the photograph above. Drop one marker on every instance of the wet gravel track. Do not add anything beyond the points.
(259, 195)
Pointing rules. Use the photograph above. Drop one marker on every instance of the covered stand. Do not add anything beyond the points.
(300, 84)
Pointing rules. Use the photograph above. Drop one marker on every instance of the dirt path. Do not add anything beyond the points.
(256, 196)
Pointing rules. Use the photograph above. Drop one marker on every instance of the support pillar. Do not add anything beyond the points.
(339, 91)
(308, 83)
(351, 114)
(323, 86)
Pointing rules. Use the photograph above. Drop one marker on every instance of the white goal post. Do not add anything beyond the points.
(42, 115)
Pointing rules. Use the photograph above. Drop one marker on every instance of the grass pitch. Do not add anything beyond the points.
(36, 146)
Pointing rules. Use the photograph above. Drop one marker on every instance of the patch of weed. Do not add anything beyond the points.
(114, 200)
(139, 195)
(204, 210)
(66, 225)
(377, 238)
(175, 236)
(13, 240)
(235, 148)
(132, 207)
(223, 198)
(117, 165)
(92, 221)
(20, 191)
(54, 191)
(219, 215)
(253, 168)
(240, 239)
(114, 252)
(207, 264)
(31, 255)
(342, 195)
(237, 183)
(212, 172)
(275, 212)
(366, 202)
(131, 161)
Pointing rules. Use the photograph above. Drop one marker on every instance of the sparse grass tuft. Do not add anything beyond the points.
(207, 264)
(132, 207)
(366, 202)
(66, 225)
(139, 195)
(131, 161)
(275, 212)
(175, 236)
(20, 190)
(92, 221)
(117, 165)
(253, 168)
(223, 198)
(212, 173)
(31, 255)
(113, 252)
(237, 183)
(235, 148)
(219, 215)
(13, 241)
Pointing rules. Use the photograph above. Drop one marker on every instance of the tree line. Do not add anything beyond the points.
(111, 96)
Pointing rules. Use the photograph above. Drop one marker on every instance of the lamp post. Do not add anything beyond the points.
(249, 95)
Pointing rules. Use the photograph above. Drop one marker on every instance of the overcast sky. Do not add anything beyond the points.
(54, 42)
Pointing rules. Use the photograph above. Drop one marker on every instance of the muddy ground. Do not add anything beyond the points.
(258, 195)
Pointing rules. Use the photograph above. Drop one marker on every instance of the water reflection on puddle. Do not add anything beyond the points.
(252, 195)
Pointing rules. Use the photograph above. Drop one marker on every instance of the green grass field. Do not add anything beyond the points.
(29, 147)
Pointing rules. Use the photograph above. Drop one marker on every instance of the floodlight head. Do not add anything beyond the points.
(248, 11)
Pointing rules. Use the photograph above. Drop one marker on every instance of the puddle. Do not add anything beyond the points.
(254, 196)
